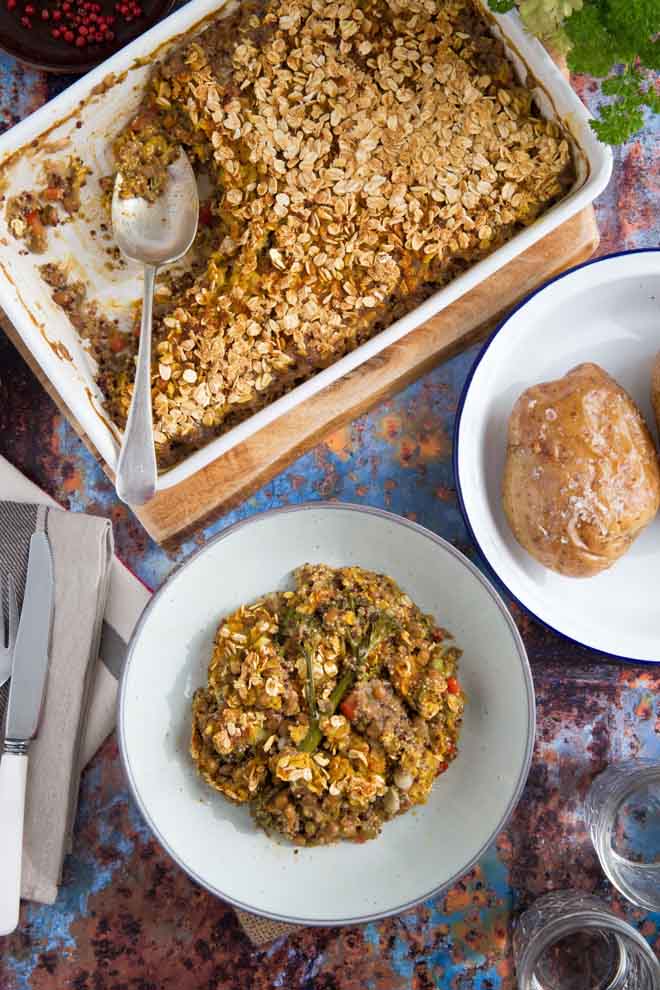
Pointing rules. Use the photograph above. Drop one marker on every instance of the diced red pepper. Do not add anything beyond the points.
(34, 220)
(54, 193)
(348, 707)
(117, 343)
(453, 686)
(205, 215)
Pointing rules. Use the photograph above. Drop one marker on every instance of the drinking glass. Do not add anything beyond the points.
(623, 817)
(568, 940)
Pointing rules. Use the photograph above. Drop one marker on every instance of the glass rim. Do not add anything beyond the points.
(575, 920)
(600, 826)
(639, 770)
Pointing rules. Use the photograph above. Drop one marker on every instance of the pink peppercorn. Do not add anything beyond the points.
(76, 22)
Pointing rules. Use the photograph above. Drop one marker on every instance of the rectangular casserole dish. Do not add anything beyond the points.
(83, 119)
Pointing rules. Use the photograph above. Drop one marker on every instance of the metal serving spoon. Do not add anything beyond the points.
(155, 234)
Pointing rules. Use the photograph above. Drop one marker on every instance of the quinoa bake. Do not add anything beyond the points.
(331, 708)
(357, 157)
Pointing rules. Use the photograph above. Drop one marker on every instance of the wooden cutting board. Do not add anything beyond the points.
(241, 471)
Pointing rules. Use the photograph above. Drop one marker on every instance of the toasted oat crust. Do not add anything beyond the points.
(361, 155)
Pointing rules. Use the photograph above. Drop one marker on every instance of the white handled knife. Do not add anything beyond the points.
(26, 694)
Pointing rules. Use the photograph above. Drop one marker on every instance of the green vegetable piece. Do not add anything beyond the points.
(450, 651)
(313, 737)
(379, 629)
(311, 687)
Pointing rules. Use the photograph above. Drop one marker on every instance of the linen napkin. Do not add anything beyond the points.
(80, 707)
(81, 548)
(126, 600)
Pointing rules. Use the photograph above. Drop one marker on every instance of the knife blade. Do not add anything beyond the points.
(30, 664)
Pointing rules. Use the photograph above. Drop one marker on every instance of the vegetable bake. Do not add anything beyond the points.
(358, 156)
(331, 708)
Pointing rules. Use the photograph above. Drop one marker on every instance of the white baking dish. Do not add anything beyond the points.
(85, 116)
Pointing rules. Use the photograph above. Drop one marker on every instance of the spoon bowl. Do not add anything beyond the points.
(154, 234)
(158, 233)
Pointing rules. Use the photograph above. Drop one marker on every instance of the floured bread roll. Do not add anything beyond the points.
(581, 478)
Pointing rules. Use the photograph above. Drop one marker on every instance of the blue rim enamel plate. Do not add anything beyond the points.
(417, 855)
(606, 311)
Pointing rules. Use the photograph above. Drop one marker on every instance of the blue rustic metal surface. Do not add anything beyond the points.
(126, 917)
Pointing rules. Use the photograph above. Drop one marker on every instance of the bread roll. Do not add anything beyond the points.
(581, 478)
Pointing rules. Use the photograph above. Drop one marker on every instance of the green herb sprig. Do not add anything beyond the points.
(615, 41)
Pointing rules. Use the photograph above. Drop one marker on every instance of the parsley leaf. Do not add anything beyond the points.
(501, 6)
(617, 41)
(631, 23)
(619, 121)
(593, 49)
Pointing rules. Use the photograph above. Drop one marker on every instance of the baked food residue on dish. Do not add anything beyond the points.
(331, 708)
(31, 213)
(581, 477)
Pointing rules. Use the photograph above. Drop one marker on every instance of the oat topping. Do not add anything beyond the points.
(390, 702)
(360, 156)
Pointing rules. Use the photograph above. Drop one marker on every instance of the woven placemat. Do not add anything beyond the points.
(260, 931)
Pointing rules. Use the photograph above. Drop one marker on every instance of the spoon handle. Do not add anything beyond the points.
(136, 471)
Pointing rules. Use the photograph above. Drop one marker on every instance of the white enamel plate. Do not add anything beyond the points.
(606, 311)
(417, 854)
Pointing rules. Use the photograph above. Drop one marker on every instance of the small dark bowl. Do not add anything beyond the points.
(35, 45)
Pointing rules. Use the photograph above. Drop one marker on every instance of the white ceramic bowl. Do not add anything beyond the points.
(416, 855)
(606, 311)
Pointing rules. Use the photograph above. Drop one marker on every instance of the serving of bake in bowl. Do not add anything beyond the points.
(556, 457)
(411, 151)
(377, 789)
